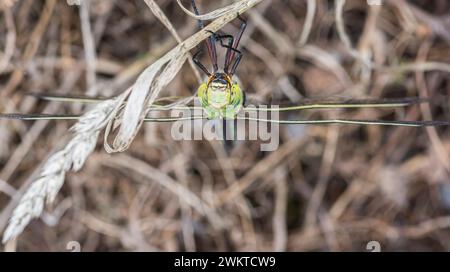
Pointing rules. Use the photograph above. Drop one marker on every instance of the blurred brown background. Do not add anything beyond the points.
(327, 188)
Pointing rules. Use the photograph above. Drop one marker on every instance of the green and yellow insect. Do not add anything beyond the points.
(214, 110)
(222, 98)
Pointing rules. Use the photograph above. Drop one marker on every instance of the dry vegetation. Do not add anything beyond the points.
(327, 188)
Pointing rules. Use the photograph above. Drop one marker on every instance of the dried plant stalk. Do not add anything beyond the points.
(166, 22)
(51, 176)
(4, 4)
(310, 13)
(158, 75)
(111, 113)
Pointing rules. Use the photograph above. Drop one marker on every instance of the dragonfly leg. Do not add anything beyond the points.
(237, 40)
(233, 43)
(210, 42)
(199, 64)
(236, 63)
(230, 53)
(228, 45)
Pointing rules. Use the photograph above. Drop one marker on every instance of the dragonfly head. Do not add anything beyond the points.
(219, 90)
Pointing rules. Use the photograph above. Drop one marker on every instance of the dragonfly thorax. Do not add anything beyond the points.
(220, 97)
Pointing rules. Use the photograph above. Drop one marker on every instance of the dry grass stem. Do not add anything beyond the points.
(45, 188)
(325, 188)
(309, 20)
(150, 83)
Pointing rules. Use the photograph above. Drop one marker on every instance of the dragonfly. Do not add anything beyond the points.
(163, 104)
(222, 98)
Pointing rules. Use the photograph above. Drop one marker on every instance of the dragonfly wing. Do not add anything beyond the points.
(351, 121)
(67, 98)
(34, 117)
(172, 119)
(90, 99)
(353, 103)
